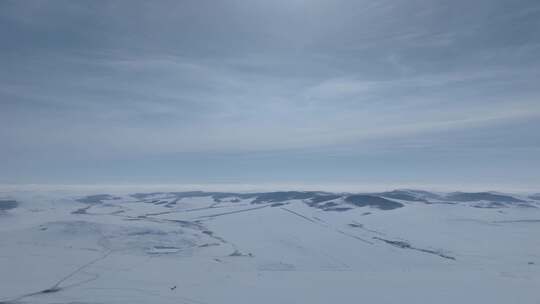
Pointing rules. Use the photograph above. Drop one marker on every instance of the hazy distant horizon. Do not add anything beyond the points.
(266, 187)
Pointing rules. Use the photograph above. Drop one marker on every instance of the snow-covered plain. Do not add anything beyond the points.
(280, 247)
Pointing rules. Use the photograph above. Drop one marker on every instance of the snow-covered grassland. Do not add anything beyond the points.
(402, 246)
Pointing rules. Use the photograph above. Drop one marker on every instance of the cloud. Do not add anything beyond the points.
(138, 80)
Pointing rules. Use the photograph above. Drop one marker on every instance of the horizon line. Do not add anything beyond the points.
(262, 187)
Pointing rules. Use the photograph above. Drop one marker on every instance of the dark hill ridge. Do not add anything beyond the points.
(96, 198)
(314, 198)
(411, 195)
(360, 200)
(402, 196)
(330, 201)
(275, 197)
(8, 204)
(481, 196)
(535, 196)
(317, 199)
(478, 199)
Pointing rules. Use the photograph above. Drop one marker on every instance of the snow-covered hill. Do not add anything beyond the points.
(401, 246)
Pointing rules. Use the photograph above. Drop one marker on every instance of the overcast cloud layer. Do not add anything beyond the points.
(270, 91)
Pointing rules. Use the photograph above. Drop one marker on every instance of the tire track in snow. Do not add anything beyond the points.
(326, 226)
(56, 287)
(232, 212)
(300, 215)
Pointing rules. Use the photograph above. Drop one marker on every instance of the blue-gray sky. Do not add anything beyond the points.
(404, 91)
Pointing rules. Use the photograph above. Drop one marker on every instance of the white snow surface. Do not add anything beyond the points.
(160, 249)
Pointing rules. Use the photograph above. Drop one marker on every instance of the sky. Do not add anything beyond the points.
(402, 92)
